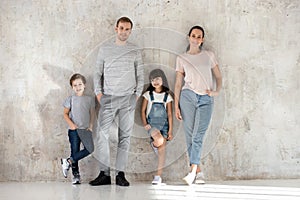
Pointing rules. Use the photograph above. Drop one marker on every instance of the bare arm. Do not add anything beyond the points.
(170, 120)
(218, 76)
(68, 120)
(177, 91)
(143, 114)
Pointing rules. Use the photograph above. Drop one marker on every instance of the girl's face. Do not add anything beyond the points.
(78, 87)
(196, 38)
(157, 82)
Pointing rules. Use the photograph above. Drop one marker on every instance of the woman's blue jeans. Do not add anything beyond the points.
(196, 111)
(76, 153)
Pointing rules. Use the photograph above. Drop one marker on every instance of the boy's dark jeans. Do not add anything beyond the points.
(76, 153)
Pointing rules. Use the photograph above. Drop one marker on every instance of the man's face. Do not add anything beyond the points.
(123, 31)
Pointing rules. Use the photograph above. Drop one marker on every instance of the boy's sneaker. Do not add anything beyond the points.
(102, 179)
(157, 180)
(65, 166)
(200, 178)
(189, 179)
(76, 179)
(121, 180)
(155, 149)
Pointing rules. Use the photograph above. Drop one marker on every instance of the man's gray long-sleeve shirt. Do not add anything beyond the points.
(119, 70)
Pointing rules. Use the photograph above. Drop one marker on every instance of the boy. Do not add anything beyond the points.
(79, 113)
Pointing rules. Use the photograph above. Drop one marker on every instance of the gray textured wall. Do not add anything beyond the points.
(255, 126)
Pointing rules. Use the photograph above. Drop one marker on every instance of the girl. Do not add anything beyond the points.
(157, 116)
(194, 100)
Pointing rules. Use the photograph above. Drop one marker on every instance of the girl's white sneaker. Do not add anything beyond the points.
(157, 180)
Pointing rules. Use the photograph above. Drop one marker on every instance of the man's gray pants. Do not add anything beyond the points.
(111, 107)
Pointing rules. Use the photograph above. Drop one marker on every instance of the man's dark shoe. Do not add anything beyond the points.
(102, 179)
(121, 180)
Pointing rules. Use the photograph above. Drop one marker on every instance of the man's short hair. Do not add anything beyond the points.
(124, 19)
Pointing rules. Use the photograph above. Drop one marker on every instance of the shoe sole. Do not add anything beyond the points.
(156, 183)
(92, 183)
(201, 182)
(123, 185)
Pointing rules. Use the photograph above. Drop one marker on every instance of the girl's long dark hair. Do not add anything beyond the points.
(158, 73)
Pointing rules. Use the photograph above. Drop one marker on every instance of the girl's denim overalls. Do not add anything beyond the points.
(158, 117)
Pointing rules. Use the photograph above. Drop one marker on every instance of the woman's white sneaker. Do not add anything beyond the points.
(200, 178)
(189, 179)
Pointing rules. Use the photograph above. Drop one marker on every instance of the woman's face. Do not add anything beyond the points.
(196, 38)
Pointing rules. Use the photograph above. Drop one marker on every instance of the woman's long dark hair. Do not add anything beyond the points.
(158, 73)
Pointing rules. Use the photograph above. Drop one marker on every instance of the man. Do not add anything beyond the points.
(118, 82)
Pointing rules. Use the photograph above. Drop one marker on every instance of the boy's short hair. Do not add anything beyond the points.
(124, 19)
(77, 76)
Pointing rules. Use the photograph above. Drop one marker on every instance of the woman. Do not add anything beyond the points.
(194, 100)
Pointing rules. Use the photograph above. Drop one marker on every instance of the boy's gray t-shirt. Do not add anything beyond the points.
(80, 107)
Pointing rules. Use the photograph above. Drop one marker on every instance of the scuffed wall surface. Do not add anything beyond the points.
(255, 127)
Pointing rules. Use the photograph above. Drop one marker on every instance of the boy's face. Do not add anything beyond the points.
(78, 87)
(123, 31)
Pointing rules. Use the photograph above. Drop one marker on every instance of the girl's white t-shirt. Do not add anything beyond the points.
(158, 97)
(197, 70)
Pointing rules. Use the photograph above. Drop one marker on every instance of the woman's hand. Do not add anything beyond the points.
(212, 93)
(178, 114)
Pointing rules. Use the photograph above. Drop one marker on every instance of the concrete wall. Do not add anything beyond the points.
(255, 126)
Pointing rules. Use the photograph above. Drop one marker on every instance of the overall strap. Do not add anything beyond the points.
(166, 97)
(151, 95)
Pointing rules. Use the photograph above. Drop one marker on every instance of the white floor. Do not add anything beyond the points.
(231, 190)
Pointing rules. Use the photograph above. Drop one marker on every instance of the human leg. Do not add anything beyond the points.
(203, 116)
(75, 148)
(157, 137)
(161, 157)
(126, 122)
(159, 143)
(105, 119)
(188, 103)
(194, 109)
